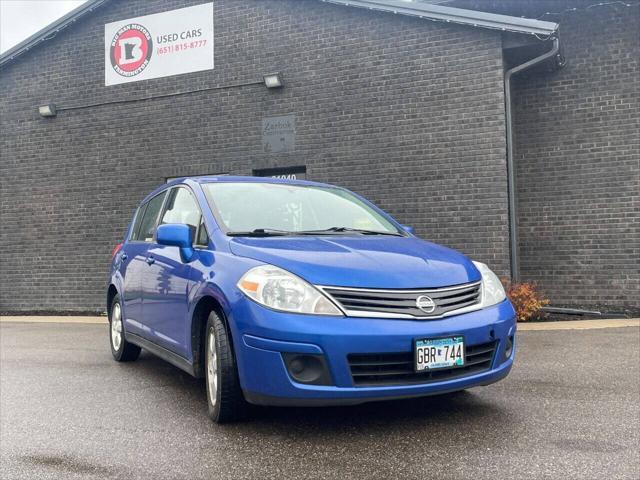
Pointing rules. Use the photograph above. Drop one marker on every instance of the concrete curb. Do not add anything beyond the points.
(523, 327)
(52, 319)
(580, 324)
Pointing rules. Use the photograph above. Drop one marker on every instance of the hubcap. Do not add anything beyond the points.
(116, 327)
(212, 368)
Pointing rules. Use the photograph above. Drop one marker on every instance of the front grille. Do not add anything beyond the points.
(404, 303)
(398, 368)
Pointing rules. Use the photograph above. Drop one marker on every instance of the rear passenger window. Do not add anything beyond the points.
(136, 222)
(148, 223)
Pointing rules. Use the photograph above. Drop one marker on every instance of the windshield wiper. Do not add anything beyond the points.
(261, 232)
(348, 230)
(272, 232)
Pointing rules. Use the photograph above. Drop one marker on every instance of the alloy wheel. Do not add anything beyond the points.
(116, 327)
(212, 368)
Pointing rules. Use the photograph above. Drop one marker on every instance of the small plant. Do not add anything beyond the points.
(526, 299)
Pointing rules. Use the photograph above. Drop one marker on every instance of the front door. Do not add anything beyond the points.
(165, 283)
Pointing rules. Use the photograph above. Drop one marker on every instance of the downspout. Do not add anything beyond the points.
(511, 174)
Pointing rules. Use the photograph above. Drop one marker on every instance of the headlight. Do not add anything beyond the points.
(492, 289)
(276, 288)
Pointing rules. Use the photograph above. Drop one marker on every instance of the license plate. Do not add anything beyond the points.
(435, 353)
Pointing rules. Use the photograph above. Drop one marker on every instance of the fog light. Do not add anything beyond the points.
(508, 348)
(308, 369)
(296, 367)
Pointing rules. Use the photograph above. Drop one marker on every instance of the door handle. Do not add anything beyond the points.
(124, 257)
(151, 260)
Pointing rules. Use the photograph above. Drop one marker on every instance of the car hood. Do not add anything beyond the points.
(361, 261)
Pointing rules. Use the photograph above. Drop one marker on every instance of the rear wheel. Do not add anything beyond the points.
(224, 395)
(121, 350)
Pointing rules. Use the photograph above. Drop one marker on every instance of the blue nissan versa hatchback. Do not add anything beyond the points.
(283, 292)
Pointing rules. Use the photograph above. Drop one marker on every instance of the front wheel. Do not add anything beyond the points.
(224, 395)
(121, 350)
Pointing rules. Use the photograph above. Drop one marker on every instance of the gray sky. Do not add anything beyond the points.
(20, 19)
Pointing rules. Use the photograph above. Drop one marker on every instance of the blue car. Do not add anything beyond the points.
(283, 292)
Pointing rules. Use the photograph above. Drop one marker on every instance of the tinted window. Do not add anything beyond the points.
(148, 224)
(137, 221)
(203, 237)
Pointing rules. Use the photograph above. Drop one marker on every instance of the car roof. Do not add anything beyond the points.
(248, 179)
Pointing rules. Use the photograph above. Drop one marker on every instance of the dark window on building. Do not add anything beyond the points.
(288, 173)
(150, 218)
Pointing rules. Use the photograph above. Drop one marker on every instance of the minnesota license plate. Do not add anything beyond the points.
(435, 353)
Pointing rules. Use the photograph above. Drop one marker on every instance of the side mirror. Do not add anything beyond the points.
(409, 229)
(177, 235)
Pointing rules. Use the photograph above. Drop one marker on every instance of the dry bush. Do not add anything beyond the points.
(526, 299)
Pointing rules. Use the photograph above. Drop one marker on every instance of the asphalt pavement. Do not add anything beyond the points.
(569, 409)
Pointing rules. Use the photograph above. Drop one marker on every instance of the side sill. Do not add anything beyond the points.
(166, 355)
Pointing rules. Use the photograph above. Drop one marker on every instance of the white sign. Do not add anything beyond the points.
(159, 45)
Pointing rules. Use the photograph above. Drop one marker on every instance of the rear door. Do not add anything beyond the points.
(135, 263)
(166, 281)
(131, 293)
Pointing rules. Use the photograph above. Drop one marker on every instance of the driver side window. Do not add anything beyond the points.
(183, 208)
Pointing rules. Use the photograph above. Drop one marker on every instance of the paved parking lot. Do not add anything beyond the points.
(569, 409)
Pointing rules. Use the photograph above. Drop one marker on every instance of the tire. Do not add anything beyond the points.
(224, 396)
(121, 350)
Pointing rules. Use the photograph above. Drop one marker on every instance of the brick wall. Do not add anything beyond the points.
(406, 112)
(578, 157)
(577, 140)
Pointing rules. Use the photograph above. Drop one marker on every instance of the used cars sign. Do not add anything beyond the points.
(159, 45)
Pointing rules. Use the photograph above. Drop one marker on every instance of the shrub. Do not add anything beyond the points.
(526, 299)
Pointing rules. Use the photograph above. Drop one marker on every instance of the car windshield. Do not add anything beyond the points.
(285, 208)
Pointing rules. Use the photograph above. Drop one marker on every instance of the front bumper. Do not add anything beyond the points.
(261, 336)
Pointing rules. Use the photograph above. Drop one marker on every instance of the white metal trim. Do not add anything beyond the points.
(461, 16)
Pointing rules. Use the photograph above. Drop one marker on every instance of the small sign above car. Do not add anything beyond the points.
(279, 134)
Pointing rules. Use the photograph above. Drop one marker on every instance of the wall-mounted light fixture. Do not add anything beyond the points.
(48, 110)
(273, 80)
(270, 80)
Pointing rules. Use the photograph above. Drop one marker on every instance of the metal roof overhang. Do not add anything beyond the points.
(460, 16)
(50, 30)
(424, 10)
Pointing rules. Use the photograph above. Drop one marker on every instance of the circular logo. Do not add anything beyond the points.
(425, 303)
(131, 50)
